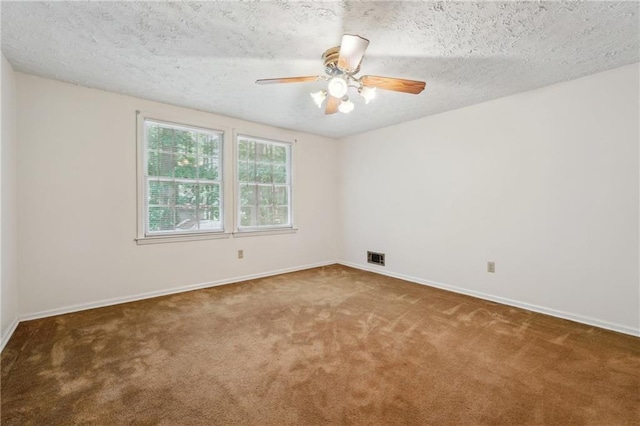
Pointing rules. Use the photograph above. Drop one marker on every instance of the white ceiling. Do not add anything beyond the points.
(208, 55)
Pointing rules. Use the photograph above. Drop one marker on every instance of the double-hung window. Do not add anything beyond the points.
(189, 187)
(263, 184)
(183, 190)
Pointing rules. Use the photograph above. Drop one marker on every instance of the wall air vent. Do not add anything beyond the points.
(375, 258)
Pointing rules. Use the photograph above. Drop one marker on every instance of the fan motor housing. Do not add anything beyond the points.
(330, 60)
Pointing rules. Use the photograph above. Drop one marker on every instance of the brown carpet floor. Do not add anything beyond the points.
(330, 345)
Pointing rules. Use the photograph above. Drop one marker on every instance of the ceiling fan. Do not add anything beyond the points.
(341, 64)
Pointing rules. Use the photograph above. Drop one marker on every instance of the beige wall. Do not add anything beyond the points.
(544, 183)
(77, 197)
(9, 209)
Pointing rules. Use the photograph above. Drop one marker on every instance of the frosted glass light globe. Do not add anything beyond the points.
(338, 87)
(368, 93)
(346, 106)
(319, 97)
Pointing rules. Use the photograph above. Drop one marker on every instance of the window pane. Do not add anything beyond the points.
(247, 216)
(165, 139)
(279, 155)
(166, 164)
(262, 152)
(153, 136)
(248, 195)
(208, 219)
(266, 196)
(152, 164)
(186, 219)
(265, 216)
(209, 195)
(160, 219)
(161, 193)
(281, 216)
(247, 172)
(185, 142)
(208, 168)
(208, 145)
(281, 195)
(187, 194)
(263, 173)
(279, 174)
(186, 167)
(212, 214)
(243, 150)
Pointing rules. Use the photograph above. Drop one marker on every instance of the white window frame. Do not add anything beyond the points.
(226, 201)
(263, 230)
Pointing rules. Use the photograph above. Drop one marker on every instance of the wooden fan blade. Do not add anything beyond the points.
(395, 84)
(287, 80)
(332, 105)
(351, 52)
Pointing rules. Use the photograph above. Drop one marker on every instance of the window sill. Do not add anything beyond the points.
(258, 232)
(181, 238)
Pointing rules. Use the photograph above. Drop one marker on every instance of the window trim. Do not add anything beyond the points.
(225, 203)
(263, 230)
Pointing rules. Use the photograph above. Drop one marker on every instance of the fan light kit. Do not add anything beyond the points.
(368, 93)
(346, 106)
(341, 64)
(319, 97)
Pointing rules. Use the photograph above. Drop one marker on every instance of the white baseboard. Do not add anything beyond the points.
(7, 335)
(149, 295)
(540, 309)
(115, 301)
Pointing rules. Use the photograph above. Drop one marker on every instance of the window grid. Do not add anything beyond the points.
(264, 184)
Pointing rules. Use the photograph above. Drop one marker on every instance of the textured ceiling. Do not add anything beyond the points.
(208, 55)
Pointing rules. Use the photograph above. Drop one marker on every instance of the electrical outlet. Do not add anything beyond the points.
(240, 254)
(491, 267)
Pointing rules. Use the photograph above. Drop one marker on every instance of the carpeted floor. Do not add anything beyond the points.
(330, 345)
